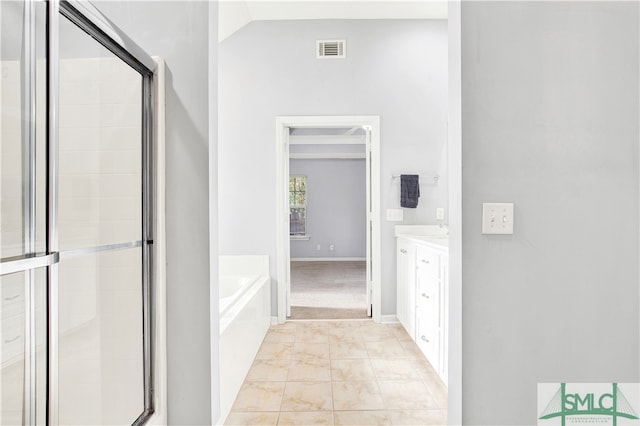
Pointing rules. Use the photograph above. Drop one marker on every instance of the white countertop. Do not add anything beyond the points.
(439, 241)
(433, 235)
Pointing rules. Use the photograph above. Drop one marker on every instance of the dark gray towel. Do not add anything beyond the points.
(409, 191)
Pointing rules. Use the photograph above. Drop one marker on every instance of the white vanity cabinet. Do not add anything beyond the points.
(422, 298)
(405, 299)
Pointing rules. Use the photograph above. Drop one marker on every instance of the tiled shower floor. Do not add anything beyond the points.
(340, 373)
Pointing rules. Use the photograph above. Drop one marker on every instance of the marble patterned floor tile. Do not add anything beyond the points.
(361, 418)
(403, 337)
(259, 396)
(310, 350)
(307, 396)
(360, 395)
(275, 351)
(305, 418)
(252, 419)
(397, 328)
(287, 327)
(352, 326)
(310, 370)
(406, 395)
(312, 335)
(384, 349)
(340, 336)
(411, 350)
(438, 391)
(394, 369)
(418, 417)
(372, 331)
(426, 371)
(345, 350)
(277, 336)
(319, 326)
(352, 370)
(269, 370)
(361, 373)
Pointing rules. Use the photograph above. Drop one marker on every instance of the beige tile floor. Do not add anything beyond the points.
(340, 373)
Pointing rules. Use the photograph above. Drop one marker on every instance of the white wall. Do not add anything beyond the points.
(336, 208)
(178, 31)
(550, 122)
(395, 69)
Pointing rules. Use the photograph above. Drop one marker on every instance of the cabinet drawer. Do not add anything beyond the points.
(428, 301)
(11, 338)
(12, 296)
(428, 262)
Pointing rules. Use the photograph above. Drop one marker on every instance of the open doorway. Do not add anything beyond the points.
(331, 275)
(328, 223)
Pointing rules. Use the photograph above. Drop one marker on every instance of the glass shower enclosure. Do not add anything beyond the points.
(76, 218)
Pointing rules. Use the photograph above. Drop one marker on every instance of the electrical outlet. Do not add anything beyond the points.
(440, 213)
(497, 218)
(331, 247)
(318, 247)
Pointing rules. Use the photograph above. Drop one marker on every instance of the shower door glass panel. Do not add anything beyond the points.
(100, 336)
(14, 378)
(22, 110)
(100, 339)
(100, 158)
(23, 369)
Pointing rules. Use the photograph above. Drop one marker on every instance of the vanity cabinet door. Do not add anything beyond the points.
(405, 297)
(428, 304)
(428, 338)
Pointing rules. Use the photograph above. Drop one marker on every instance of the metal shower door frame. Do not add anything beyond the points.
(91, 21)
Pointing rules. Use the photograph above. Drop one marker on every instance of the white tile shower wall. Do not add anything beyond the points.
(100, 133)
(11, 157)
(100, 187)
(10, 160)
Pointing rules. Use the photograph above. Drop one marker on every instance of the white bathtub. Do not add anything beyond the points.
(245, 316)
(236, 293)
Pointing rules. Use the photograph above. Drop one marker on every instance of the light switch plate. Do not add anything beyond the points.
(497, 218)
(395, 215)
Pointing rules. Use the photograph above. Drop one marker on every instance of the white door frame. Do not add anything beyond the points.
(372, 124)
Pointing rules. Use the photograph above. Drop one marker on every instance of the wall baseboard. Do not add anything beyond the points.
(328, 259)
(389, 319)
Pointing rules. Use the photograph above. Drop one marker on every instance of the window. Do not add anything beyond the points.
(298, 206)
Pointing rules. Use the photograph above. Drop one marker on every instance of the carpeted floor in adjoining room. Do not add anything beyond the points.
(328, 290)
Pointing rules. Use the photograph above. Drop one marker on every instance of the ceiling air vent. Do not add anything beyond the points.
(331, 49)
